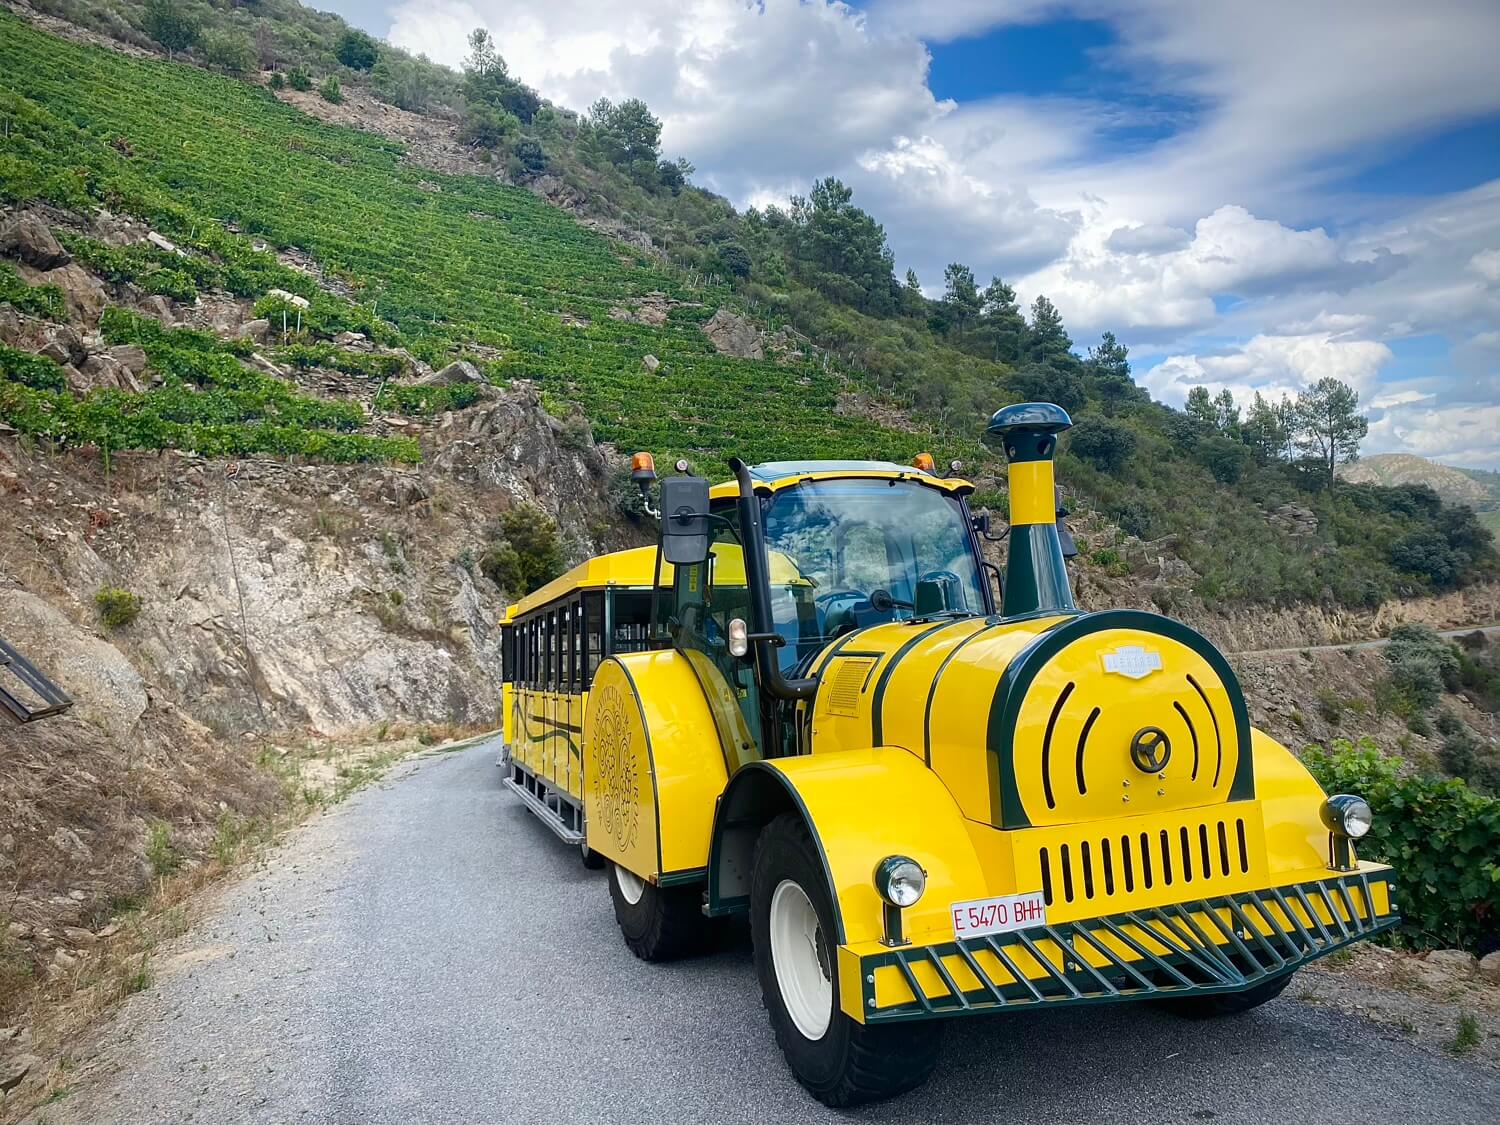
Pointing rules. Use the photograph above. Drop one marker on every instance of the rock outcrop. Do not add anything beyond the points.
(458, 372)
(734, 335)
(31, 240)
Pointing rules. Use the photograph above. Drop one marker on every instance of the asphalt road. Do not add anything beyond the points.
(429, 953)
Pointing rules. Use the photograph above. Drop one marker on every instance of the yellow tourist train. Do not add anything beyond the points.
(932, 797)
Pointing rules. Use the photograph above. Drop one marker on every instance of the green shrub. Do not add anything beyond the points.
(1101, 443)
(38, 300)
(331, 91)
(1422, 667)
(1465, 755)
(299, 79)
(1330, 707)
(117, 607)
(1442, 838)
(526, 555)
(35, 371)
(161, 852)
(277, 80)
(356, 50)
(231, 51)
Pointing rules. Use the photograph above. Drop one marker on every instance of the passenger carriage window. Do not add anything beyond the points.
(554, 621)
(569, 676)
(593, 632)
(575, 674)
(549, 649)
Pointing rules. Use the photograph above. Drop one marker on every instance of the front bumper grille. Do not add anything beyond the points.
(1221, 944)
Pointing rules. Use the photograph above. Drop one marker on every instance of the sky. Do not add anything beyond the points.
(1249, 195)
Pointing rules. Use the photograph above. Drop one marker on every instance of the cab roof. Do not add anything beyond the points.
(772, 476)
(633, 568)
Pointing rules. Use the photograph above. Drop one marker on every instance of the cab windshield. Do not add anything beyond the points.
(851, 553)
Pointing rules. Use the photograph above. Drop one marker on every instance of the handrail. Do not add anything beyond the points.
(757, 580)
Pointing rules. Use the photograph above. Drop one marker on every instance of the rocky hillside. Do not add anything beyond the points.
(1454, 486)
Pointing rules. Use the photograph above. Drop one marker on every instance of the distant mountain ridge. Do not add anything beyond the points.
(1478, 489)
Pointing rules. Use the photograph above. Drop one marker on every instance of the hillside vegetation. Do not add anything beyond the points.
(441, 266)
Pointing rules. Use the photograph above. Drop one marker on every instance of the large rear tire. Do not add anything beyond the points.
(841, 1062)
(659, 924)
(1226, 1003)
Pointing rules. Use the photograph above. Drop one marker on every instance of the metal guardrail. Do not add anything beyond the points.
(24, 708)
(1196, 951)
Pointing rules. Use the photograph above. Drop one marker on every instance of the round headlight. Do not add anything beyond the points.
(1348, 815)
(900, 880)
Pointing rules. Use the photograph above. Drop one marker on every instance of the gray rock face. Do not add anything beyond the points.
(129, 356)
(650, 363)
(459, 371)
(734, 335)
(82, 293)
(65, 346)
(107, 690)
(1295, 520)
(105, 371)
(258, 330)
(1489, 967)
(160, 308)
(31, 240)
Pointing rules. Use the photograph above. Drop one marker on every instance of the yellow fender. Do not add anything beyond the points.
(653, 766)
(860, 806)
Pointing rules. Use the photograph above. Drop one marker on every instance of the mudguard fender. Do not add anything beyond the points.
(861, 806)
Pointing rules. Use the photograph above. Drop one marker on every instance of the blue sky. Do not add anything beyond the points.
(1251, 196)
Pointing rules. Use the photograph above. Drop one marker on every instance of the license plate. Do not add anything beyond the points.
(981, 916)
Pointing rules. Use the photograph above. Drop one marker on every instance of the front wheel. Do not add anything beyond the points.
(841, 1062)
(658, 923)
(1226, 1003)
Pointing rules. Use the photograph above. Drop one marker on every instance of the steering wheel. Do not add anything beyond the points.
(836, 610)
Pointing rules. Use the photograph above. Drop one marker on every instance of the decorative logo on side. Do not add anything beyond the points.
(1150, 750)
(616, 773)
(1132, 661)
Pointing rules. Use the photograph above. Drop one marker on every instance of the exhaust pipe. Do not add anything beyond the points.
(1036, 578)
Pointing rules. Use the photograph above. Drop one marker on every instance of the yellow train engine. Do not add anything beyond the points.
(930, 800)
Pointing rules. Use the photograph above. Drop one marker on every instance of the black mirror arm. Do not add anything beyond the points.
(757, 580)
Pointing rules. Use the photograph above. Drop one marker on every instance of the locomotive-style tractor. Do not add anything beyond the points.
(808, 705)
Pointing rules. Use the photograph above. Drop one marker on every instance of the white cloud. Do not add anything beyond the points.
(1272, 365)
(1486, 264)
(1458, 435)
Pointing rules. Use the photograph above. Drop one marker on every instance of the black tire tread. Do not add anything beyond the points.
(667, 924)
(880, 1061)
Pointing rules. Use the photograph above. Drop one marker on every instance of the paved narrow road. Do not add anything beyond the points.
(429, 953)
(1378, 642)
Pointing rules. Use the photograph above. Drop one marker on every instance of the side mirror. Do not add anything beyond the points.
(684, 520)
(1065, 537)
(981, 524)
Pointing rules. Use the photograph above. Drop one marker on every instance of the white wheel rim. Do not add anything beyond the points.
(801, 957)
(632, 886)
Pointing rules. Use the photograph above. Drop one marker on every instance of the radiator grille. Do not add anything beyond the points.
(846, 684)
(1126, 862)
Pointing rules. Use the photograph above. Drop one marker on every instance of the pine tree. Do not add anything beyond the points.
(961, 297)
(1329, 426)
(1002, 326)
(1200, 408)
(1047, 339)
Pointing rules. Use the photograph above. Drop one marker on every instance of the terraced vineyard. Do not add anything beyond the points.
(445, 259)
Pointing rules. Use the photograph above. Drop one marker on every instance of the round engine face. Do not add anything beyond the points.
(1122, 722)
